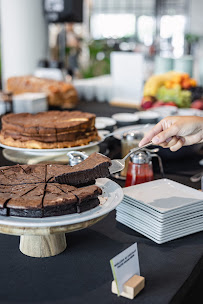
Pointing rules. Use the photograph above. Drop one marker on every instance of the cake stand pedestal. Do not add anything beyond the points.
(41, 242)
(42, 246)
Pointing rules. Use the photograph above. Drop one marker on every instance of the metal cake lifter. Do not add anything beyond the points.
(118, 165)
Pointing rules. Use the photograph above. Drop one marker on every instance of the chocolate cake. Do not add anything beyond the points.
(95, 166)
(33, 190)
(47, 130)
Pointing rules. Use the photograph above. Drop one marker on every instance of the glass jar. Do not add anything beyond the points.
(139, 169)
(129, 141)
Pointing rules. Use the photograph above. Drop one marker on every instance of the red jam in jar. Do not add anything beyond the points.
(139, 171)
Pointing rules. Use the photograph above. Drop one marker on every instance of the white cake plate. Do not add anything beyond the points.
(44, 237)
(22, 157)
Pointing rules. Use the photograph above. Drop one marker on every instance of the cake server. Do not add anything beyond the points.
(118, 165)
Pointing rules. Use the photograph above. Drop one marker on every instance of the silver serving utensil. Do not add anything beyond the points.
(196, 178)
(118, 165)
(121, 132)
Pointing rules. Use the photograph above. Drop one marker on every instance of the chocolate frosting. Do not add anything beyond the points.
(50, 122)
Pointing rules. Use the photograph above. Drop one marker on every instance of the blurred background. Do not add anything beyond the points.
(107, 48)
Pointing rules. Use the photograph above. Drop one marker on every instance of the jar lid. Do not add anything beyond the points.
(132, 135)
(75, 160)
(76, 157)
(140, 158)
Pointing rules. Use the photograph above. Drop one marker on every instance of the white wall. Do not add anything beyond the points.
(24, 36)
(196, 19)
(196, 27)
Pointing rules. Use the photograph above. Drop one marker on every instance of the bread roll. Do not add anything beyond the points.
(59, 93)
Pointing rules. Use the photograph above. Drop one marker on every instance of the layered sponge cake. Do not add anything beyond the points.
(48, 130)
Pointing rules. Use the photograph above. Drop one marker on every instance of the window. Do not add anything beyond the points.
(142, 20)
(117, 19)
(112, 25)
(146, 29)
(172, 28)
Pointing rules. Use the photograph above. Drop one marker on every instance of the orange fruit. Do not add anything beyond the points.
(186, 84)
(185, 76)
(177, 79)
(193, 82)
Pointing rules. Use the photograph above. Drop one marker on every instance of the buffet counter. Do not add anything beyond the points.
(82, 273)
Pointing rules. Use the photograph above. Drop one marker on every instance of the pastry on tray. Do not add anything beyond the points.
(59, 93)
(33, 190)
(48, 130)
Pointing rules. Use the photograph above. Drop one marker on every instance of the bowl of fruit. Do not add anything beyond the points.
(172, 89)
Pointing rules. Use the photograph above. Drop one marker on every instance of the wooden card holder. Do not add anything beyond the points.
(131, 288)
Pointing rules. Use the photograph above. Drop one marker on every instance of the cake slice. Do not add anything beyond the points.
(5, 195)
(28, 204)
(85, 173)
(22, 174)
(8, 192)
(87, 197)
(54, 170)
(57, 202)
(64, 199)
(9, 174)
(35, 173)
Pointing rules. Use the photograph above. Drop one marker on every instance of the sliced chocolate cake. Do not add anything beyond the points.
(87, 197)
(58, 202)
(20, 174)
(5, 195)
(28, 204)
(33, 191)
(95, 166)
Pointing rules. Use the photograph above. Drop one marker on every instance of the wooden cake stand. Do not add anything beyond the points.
(45, 237)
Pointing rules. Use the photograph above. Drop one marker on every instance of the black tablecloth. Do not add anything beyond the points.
(82, 273)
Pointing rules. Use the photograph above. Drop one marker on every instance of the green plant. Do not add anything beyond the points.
(99, 61)
(191, 41)
(191, 38)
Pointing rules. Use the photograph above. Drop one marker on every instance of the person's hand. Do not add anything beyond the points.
(175, 131)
